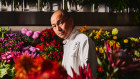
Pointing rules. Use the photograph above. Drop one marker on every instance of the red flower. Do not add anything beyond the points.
(100, 69)
(40, 47)
(41, 38)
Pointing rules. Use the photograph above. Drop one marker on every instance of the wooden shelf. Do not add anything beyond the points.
(80, 19)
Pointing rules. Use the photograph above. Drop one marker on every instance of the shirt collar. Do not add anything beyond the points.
(71, 36)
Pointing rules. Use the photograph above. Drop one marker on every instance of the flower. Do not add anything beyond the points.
(7, 56)
(23, 66)
(32, 49)
(24, 30)
(115, 31)
(100, 68)
(35, 35)
(40, 47)
(101, 50)
(29, 33)
(114, 37)
(125, 40)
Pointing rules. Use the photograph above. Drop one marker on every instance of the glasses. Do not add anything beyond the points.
(60, 22)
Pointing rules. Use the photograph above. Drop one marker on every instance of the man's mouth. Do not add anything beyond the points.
(61, 33)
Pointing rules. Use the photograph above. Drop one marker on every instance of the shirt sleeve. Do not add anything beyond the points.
(88, 55)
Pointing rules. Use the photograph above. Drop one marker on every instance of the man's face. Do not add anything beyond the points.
(62, 26)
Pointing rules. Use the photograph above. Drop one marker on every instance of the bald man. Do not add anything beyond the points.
(79, 49)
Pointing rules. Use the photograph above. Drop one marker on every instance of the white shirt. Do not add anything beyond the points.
(78, 49)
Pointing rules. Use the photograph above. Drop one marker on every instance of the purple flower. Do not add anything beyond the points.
(29, 33)
(32, 49)
(24, 30)
(35, 35)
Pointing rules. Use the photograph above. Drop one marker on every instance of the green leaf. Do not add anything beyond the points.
(3, 72)
(115, 70)
(99, 61)
(0, 29)
(104, 55)
(7, 28)
(107, 74)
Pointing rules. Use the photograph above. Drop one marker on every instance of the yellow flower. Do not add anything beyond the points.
(95, 37)
(134, 39)
(101, 50)
(96, 31)
(111, 42)
(115, 31)
(96, 48)
(117, 44)
(114, 37)
(125, 40)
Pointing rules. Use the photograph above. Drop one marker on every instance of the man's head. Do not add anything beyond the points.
(62, 23)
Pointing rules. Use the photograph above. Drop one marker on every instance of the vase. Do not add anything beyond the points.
(101, 8)
(33, 7)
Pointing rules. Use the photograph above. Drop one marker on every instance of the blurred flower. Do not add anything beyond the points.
(7, 56)
(134, 39)
(96, 48)
(101, 50)
(100, 68)
(40, 47)
(24, 30)
(125, 40)
(83, 29)
(117, 44)
(133, 44)
(84, 73)
(115, 31)
(23, 66)
(32, 49)
(35, 35)
(111, 42)
(114, 37)
(93, 31)
(38, 32)
(29, 33)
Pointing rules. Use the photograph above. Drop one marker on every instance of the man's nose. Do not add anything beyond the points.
(59, 28)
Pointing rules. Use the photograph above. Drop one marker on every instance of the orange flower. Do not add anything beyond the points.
(93, 31)
(96, 31)
(133, 44)
(23, 66)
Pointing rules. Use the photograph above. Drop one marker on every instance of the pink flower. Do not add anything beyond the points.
(35, 35)
(38, 32)
(29, 33)
(7, 56)
(32, 49)
(24, 30)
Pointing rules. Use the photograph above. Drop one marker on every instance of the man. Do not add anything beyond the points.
(78, 48)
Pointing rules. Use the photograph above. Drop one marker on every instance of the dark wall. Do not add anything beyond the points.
(80, 18)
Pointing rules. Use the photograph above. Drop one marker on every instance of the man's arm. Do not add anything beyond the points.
(88, 55)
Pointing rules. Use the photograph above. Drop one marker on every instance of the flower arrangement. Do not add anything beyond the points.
(51, 45)
(117, 57)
